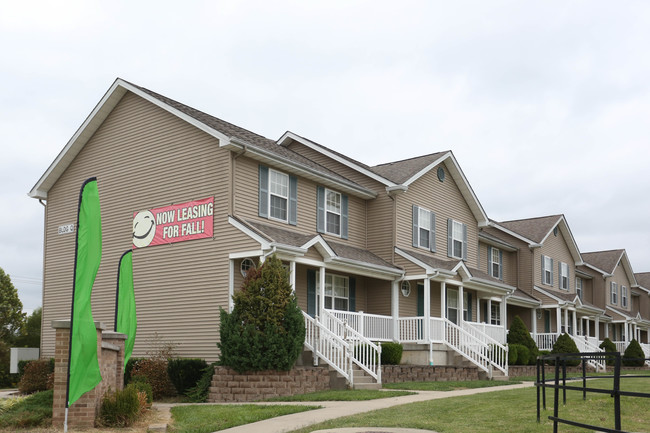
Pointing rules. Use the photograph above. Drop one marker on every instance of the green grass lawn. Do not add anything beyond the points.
(512, 411)
(448, 386)
(343, 395)
(210, 418)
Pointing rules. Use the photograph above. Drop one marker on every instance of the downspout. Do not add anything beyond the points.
(43, 272)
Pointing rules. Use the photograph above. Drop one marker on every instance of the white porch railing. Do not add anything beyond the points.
(373, 326)
(363, 352)
(410, 329)
(495, 332)
(545, 341)
(620, 346)
(328, 346)
(497, 350)
(475, 349)
(646, 351)
(585, 346)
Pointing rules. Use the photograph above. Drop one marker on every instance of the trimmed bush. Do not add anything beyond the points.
(129, 367)
(633, 356)
(513, 352)
(199, 393)
(185, 372)
(608, 346)
(391, 353)
(518, 334)
(523, 354)
(565, 344)
(266, 329)
(155, 370)
(35, 376)
(120, 408)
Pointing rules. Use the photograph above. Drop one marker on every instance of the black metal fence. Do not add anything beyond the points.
(559, 382)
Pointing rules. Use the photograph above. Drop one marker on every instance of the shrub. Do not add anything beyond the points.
(518, 334)
(513, 352)
(129, 367)
(142, 385)
(608, 346)
(199, 393)
(391, 353)
(32, 411)
(155, 370)
(185, 372)
(35, 377)
(120, 408)
(565, 344)
(266, 330)
(633, 356)
(523, 355)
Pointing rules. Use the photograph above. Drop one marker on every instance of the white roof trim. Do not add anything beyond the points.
(428, 269)
(318, 148)
(264, 244)
(566, 231)
(550, 295)
(618, 312)
(94, 120)
(321, 245)
(514, 234)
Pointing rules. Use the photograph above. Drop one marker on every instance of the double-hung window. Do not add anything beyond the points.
(623, 296)
(613, 289)
(278, 195)
(495, 262)
(424, 228)
(579, 287)
(564, 276)
(331, 212)
(547, 270)
(337, 292)
(495, 314)
(456, 239)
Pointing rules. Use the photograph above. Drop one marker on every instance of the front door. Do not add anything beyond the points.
(547, 321)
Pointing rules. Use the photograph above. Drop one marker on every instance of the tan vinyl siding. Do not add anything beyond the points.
(509, 263)
(247, 197)
(144, 157)
(556, 248)
(380, 226)
(378, 296)
(621, 279)
(409, 267)
(446, 201)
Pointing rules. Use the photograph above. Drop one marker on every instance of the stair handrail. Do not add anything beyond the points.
(328, 346)
(363, 352)
(585, 346)
(497, 353)
(476, 357)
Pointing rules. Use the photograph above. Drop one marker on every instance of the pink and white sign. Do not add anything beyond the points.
(175, 223)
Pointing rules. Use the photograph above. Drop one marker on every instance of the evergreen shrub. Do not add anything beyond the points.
(199, 393)
(185, 372)
(633, 356)
(391, 353)
(132, 362)
(523, 355)
(266, 329)
(565, 344)
(513, 352)
(518, 334)
(608, 346)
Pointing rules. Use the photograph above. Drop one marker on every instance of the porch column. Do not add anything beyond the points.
(231, 284)
(394, 309)
(597, 325)
(588, 333)
(504, 315)
(533, 320)
(566, 320)
(558, 320)
(427, 309)
(443, 300)
(489, 311)
(478, 310)
(292, 276)
(575, 323)
(606, 330)
(461, 306)
(321, 291)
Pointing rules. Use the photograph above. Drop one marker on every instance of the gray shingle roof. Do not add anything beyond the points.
(604, 260)
(518, 293)
(643, 278)
(401, 171)
(534, 229)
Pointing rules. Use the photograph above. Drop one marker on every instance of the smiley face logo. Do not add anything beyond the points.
(144, 228)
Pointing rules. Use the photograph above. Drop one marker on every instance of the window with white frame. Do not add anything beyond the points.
(424, 228)
(337, 292)
(452, 305)
(496, 263)
(613, 288)
(332, 212)
(579, 287)
(547, 270)
(467, 308)
(457, 239)
(623, 296)
(495, 311)
(564, 276)
(278, 195)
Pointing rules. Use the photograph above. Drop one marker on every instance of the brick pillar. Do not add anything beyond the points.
(83, 412)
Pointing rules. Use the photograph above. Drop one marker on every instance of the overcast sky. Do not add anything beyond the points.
(546, 105)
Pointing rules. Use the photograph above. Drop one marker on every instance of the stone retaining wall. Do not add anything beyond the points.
(426, 373)
(230, 386)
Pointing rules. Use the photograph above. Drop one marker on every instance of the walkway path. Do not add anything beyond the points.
(337, 409)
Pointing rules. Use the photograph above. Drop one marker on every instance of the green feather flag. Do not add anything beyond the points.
(83, 365)
(125, 317)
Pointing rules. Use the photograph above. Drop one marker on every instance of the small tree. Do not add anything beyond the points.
(518, 334)
(565, 344)
(30, 333)
(633, 356)
(11, 309)
(608, 346)
(266, 330)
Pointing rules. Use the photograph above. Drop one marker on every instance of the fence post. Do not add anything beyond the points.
(617, 392)
(556, 402)
(361, 324)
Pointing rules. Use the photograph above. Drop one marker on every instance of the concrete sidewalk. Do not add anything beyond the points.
(337, 409)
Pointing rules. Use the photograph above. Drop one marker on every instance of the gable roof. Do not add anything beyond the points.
(609, 260)
(229, 136)
(536, 230)
(643, 279)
